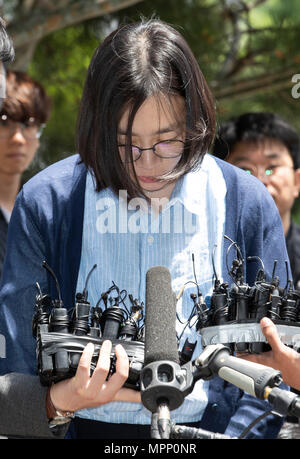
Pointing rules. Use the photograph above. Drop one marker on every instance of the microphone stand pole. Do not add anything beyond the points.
(161, 425)
(164, 420)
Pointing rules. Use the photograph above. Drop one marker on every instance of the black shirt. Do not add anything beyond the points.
(293, 248)
(3, 234)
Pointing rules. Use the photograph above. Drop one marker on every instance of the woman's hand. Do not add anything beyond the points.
(85, 391)
(281, 357)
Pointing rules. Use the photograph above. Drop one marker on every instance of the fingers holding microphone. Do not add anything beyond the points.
(281, 357)
(87, 391)
(270, 332)
(112, 389)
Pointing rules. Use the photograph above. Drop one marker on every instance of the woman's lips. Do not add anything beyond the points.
(147, 179)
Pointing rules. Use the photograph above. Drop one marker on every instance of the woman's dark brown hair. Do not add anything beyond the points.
(135, 62)
(25, 99)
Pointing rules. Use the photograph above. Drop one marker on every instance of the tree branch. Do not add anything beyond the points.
(41, 23)
(248, 87)
(234, 39)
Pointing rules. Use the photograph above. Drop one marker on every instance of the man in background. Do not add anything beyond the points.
(25, 110)
(266, 146)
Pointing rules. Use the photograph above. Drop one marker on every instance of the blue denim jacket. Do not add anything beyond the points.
(46, 224)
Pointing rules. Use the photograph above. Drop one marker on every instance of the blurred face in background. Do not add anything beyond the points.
(271, 162)
(15, 153)
(24, 111)
(18, 145)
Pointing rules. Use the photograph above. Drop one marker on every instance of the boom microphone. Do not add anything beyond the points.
(161, 377)
(160, 322)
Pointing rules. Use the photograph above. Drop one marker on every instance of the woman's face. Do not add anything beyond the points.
(154, 122)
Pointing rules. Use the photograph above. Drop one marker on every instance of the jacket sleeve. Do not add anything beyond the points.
(23, 408)
(22, 397)
(232, 411)
(22, 269)
(249, 410)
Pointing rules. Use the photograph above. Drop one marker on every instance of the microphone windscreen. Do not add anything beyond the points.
(160, 322)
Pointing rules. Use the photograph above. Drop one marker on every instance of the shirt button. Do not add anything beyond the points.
(150, 240)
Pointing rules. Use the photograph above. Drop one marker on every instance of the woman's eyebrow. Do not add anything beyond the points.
(160, 131)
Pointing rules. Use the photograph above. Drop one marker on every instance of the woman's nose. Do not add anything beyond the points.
(147, 159)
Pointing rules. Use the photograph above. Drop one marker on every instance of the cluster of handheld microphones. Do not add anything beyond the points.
(62, 334)
(163, 374)
(234, 313)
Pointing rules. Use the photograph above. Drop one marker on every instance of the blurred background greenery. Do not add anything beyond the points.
(248, 50)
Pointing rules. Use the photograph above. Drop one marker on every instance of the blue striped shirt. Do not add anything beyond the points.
(126, 239)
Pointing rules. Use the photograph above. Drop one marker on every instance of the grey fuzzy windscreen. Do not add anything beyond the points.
(160, 323)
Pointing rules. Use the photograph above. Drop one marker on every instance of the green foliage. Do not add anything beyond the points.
(60, 64)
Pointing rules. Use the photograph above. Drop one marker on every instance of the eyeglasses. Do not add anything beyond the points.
(268, 171)
(166, 149)
(29, 130)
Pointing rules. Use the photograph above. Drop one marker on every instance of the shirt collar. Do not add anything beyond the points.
(189, 189)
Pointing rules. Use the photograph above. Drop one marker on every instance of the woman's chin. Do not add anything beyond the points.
(159, 189)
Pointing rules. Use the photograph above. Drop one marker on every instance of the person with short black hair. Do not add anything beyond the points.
(142, 192)
(266, 146)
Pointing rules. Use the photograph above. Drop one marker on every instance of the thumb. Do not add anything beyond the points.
(270, 332)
